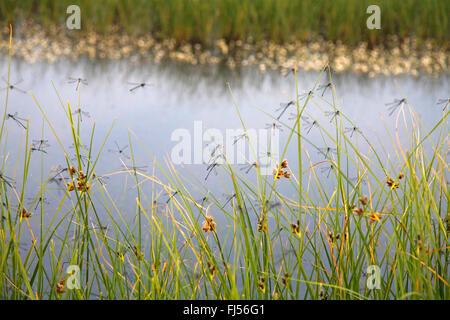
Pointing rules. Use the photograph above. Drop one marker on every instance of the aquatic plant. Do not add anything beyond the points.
(272, 20)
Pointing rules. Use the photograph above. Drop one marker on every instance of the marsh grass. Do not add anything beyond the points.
(260, 244)
(273, 20)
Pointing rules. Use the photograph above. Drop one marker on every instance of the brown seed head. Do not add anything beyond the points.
(278, 173)
(374, 216)
(60, 286)
(285, 279)
(261, 284)
(392, 184)
(209, 224)
(25, 214)
(70, 186)
(212, 269)
(363, 201)
(262, 223)
(296, 228)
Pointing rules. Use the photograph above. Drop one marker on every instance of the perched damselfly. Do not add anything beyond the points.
(13, 86)
(212, 168)
(444, 102)
(8, 181)
(333, 114)
(78, 81)
(327, 151)
(309, 123)
(393, 106)
(18, 120)
(306, 94)
(273, 126)
(324, 87)
(352, 130)
(81, 113)
(283, 107)
(249, 166)
(327, 169)
(39, 201)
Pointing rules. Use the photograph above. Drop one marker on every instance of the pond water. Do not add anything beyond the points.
(181, 96)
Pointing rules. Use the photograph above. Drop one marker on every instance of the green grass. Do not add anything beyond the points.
(247, 256)
(282, 21)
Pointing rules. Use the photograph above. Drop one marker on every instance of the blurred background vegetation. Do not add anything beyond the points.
(281, 21)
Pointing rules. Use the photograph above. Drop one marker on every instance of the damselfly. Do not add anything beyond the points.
(13, 86)
(202, 201)
(327, 169)
(228, 199)
(393, 106)
(352, 130)
(58, 170)
(283, 107)
(269, 205)
(327, 151)
(100, 179)
(39, 200)
(81, 113)
(309, 123)
(444, 102)
(212, 168)
(306, 94)
(333, 114)
(288, 71)
(171, 196)
(273, 126)
(119, 150)
(239, 137)
(16, 119)
(8, 181)
(78, 81)
(249, 166)
(217, 151)
(134, 169)
(137, 85)
(41, 143)
(324, 87)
